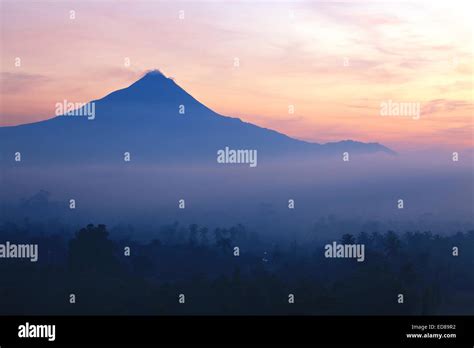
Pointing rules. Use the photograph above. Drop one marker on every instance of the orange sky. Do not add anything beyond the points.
(334, 63)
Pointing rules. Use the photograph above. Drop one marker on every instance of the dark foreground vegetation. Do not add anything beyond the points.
(94, 265)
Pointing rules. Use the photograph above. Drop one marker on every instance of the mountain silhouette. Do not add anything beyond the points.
(157, 122)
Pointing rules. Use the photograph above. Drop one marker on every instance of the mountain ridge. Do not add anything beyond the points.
(184, 128)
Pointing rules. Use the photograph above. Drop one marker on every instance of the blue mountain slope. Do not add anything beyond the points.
(144, 119)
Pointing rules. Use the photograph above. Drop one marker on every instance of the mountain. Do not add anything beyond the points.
(157, 122)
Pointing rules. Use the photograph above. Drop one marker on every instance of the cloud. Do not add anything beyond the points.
(456, 86)
(444, 105)
(21, 82)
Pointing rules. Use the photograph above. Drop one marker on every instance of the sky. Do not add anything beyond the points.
(315, 70)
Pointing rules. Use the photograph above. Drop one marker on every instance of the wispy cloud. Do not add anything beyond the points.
(334, 61)
(20, 82)
(442, 105)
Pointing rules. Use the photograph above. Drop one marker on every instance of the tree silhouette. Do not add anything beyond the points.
(392, 244)
(348, 239)
(203, 233)
(420, 265)
(193, 232)
(92, 252)
(222, 241)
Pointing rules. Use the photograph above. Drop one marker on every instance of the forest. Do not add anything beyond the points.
(192, 270)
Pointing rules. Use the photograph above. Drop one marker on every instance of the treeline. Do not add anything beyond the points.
(194, 270)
